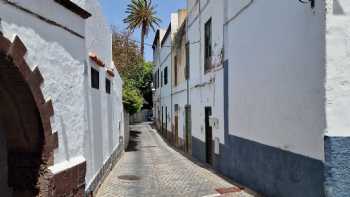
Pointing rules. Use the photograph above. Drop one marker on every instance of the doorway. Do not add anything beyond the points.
(188, 135)
(162, 122)
(27, 141)
(208, 136)
(176, 117)
(166, 122)
(22, 134)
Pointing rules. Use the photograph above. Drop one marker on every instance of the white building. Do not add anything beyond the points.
(268, 83)
(337, 99)
(205, 38)
(180, 95)
(165, 80)
(61, 111)
(162, 48)
(274, 96)
(157, 77)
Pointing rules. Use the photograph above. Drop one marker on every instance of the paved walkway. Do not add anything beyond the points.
(162, 171)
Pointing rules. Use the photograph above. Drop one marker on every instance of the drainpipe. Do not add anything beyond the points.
(187, 86)
(171, 81)
(160, 91)
(200, 44)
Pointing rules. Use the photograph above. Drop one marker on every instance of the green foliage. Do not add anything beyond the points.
(146, 87)
(139, 76)
(136, 74)
(132, 99)
(125, 51)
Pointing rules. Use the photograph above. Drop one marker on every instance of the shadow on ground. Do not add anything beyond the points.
(134, 141)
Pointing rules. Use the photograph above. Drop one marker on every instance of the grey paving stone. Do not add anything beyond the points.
(163, 172)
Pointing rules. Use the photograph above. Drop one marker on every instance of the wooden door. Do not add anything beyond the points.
(176, 129)
(208, 137)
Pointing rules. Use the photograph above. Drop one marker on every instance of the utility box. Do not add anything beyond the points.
(217, 145)
(214, 122)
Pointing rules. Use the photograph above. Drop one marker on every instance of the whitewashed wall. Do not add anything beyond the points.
(88, 121)
(60, 57)
(276, 75)
(165, 91)
(338, 70)
(205, 89)
(157, 63)
(104, 112)
(180, 98)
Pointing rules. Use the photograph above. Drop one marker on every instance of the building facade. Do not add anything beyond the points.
(157, 77)
(61, 111)
(337, 71)
(274, 87)
(179, 91)
(163, 76)
(267, 93)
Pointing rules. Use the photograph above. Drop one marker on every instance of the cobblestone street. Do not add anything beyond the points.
(158, 170)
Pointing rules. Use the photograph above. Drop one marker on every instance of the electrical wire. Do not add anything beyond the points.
(151, 45)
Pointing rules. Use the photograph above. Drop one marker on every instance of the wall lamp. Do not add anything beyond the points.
(312, 2)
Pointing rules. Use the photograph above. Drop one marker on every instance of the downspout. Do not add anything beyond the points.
(171, 82)
(187, 60)
(200, 46)
(188, 134)
(160, 91)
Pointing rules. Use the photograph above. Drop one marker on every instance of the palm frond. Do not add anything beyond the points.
(141, 13)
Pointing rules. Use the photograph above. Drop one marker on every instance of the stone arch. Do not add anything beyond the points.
(24, 123)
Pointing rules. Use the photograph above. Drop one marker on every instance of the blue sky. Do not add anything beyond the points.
(114, 10)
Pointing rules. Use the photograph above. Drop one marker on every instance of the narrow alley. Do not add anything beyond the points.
(151, 168)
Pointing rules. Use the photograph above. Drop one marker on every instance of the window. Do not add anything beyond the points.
(165, 75)
(161, 79)
(108, 86)
(207, 45)
(175, 70)
(176, 107)
(95, 79)
(187, 71)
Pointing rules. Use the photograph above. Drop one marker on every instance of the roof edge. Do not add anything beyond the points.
(74, 8)
(166, 35)
(156, 38)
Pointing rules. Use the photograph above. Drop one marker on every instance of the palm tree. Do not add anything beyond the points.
(141, 14)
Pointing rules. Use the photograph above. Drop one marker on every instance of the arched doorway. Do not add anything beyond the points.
(27, 141)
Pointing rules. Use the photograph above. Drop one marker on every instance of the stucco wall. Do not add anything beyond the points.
(337, 140)
(56, 52)
(88, 121)
(338, 71)
(157, 63)
(206, 89)
(180, 98)
(274, 99)
(104, 111)
(165, 90)
(276, 75)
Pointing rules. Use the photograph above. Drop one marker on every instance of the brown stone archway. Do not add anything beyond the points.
(25, 123)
